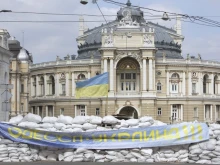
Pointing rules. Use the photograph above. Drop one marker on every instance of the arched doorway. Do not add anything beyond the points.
(128, 76)
(129, 112)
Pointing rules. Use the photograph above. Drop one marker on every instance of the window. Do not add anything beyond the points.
(63, 89)
(128, 81)
(22, 107)
(193, 87)
(50, 111)
(195, 112)
(207, 112)
(217, 116)
(159, 111)
(176, 112)
(80, 110)
(205, 84)
(34, 110)
(22, 88)
(174, 88)
(41, 111)
(81, 77)
(159, 87)
(97, 112)
(51, 85)
(62, 111)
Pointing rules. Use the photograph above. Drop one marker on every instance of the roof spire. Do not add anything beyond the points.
(128, 3)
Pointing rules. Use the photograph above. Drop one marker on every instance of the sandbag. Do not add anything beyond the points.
(32, 118)
(96, 120)
(109, 120)
(16, 120)
(81, 120)
(65, 119)
(51, 120)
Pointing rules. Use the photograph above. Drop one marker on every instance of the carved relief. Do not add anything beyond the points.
(127, 21)
(147, 41)
(123, 54)
(108, 41)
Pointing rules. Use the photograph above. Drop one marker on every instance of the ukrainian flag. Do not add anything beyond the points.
(94, 87)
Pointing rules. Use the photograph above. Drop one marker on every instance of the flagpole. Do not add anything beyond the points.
(106, 105)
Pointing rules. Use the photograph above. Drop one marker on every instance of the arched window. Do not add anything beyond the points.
(51, 85)
(175, 79)
(81, 77)
(159, 87)
(41, 83)
(205, 84)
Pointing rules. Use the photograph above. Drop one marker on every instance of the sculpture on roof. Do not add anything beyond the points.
(108, 41)
(147, 40)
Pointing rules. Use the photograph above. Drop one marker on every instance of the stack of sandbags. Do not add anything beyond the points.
(16, 152)
(207, 152)
(171, 154)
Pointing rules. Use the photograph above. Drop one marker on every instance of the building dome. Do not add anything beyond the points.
(23, 56)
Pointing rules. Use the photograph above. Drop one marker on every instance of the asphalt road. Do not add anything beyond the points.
(89, 163)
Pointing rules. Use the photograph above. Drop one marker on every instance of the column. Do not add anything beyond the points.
(168, 83)
(57, 85)
(45, 85)
(32, 87)
(111, 74)
(144, 74)
(190, 83)
(67, 84)
(211, 117)
(180, 87)
(150, 74)
(46, 110)
(75, 110)
(200, 84)
(53, 111)
(105, 65)
(211, 89)
(37, 86)
(89, 74)
(154, 73)
(184, 84)
(73, 84)
(181, 109)
(38, 110)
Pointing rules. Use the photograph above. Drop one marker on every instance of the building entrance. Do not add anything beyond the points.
(129, 112)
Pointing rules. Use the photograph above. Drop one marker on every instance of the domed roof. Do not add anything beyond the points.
(23, 56)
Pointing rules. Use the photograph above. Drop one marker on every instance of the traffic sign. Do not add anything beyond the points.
(6, 95)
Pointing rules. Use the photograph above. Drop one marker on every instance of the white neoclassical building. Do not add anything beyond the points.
(148, 74)
(5, 55)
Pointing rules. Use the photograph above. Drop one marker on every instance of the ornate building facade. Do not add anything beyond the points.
(5, 55)
(148, 75)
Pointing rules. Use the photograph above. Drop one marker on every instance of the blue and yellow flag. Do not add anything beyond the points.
(94, 87)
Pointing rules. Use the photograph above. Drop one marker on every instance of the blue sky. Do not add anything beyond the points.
(47, 40)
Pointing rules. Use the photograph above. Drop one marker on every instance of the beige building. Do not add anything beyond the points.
(148, 75)
(5, 55)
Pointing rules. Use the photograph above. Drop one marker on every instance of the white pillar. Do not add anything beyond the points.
(75, 110)
(73, 84)
(111, 74)
(184, 84)
(211, 89)
(45, 85)
(105, 65)
(200, 84)
(38, 110)
(168, 83)
(67, 84)
(180, 87)
(181, 109)
(211, 117)
(150, 74)
(89, 75)
(53, 111)
(37, 86)
(154, 73)
(190, 84)
(144, 75)
(57, 85)
(32, 87)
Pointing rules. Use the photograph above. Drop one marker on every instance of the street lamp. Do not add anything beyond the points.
(165, 16)
(84, 2)
(5, 11)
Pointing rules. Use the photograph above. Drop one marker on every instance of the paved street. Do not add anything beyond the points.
(88, 163)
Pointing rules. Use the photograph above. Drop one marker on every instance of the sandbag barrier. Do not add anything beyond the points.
(206, 152)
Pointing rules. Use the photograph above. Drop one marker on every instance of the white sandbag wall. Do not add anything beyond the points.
(206, 152)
